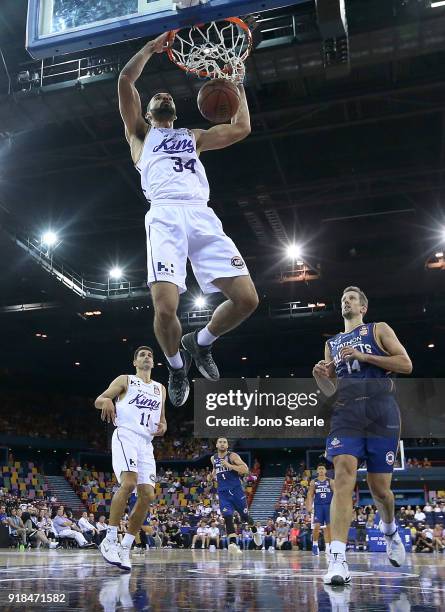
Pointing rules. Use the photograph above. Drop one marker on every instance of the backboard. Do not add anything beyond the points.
(56, 27)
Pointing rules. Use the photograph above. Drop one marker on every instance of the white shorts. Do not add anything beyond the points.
(175, 233)
(131, 452)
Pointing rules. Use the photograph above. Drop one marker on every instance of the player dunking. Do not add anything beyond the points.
(180, 225)
(139, 415)
(228, 467)
(365, 423)
(320, 495)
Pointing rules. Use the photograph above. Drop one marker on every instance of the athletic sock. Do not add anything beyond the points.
(175, 361)
(338, 548)
(112, 533)
(205, 338)
(389, 528)
(314, 542)
(328, 548)
(127, 540)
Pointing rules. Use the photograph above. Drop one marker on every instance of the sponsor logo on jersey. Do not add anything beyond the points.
(165, 268)
(132, 462)
(363, 331)
(156, 391)
(172, 145)
(136, 383)
(390, 458)
(237, 262)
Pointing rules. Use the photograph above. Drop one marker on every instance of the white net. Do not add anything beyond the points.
(217, 50)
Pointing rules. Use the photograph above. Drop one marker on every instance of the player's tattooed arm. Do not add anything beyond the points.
(105, 400)
(324, 373)
(162, 426)
(237, 464)
(310, 496)
(221, 136)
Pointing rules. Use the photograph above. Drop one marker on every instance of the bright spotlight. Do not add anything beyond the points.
(200, 302)
(443, 234)
(116, 273)
(49, 238)
(294, 251)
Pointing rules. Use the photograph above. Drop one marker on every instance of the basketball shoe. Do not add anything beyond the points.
(233, 548)
(394, 547)
(202, 356)
(315, 550)
(124, 556)
(338, 571)
(109, 551)
(178, 384)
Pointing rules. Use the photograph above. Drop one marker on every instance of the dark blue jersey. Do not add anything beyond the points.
(363, 339)
(227, 478)
(323, 492)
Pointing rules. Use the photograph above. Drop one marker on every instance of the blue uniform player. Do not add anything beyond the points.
(320, 495)
(228, 467)
(365, 422)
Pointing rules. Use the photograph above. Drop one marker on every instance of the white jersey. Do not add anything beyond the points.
(170, 169)
(140, 408)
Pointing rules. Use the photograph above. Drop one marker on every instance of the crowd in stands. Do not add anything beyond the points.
(186, 512)
(189, 491)
(413, 462)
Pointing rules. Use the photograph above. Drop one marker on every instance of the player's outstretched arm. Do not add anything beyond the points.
(104, 401)
(222, 136)
(129, 100)
(324, 374)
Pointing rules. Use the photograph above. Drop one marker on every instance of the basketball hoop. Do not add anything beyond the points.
(217, 50)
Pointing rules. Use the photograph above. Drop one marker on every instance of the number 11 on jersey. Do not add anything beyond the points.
(143, 419)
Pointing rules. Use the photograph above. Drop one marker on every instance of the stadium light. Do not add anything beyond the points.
(115, 273)
(437, 4)
(200, 302)
(49, 239)
(443, 234)
(294, 251)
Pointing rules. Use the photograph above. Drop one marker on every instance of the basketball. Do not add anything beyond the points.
(218, 100)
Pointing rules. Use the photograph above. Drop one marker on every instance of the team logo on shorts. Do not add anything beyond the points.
(152, 477)
(224, 509)
(237, 262)
(363, 331)
(390, 457)
(165, 268)
(335, 442)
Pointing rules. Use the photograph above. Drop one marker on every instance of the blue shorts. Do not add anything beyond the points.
(231, 500)
(366, 428)
(322, 514)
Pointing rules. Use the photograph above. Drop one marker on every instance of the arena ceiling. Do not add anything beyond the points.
(350, 167)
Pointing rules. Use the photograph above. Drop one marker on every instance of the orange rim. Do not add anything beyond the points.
(204, 73)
